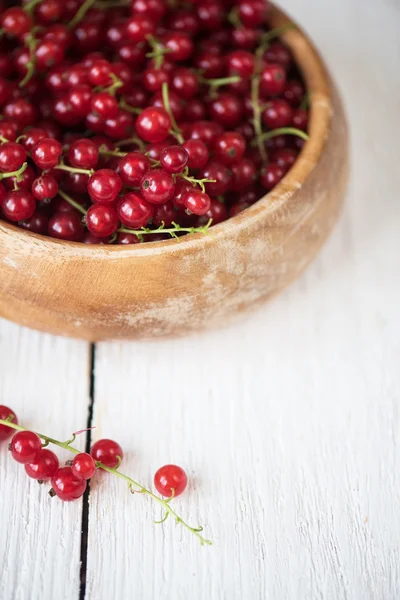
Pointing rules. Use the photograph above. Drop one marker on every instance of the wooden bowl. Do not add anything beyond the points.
(199, 281)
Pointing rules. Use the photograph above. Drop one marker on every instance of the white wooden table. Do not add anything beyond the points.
(288, 424)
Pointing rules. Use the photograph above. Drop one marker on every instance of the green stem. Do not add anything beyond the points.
(305, 103)
(30, 65)
(195, 181)
(284, 131)
(117, 83)
(133, 140)
(30, 6)
(158, 51)
(172, 231)
(255, 100)
(74, 170)
(16, 174)
(132, 109)
(106, 152)
(133, 485)
(80, 13)
(72, 202)
(277, 32)
(3, 139)
(176, 132)
(220, 81)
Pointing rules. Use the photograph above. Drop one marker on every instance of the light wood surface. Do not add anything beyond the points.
(288, 423)
(171, 288)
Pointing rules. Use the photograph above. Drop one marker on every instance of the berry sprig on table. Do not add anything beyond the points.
(70, 481)
(133, 121)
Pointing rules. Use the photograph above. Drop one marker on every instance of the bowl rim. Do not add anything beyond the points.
(318, 85)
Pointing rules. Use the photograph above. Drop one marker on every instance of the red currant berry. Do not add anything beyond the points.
(284, 157)
(217, 213)
(25, 447)
(272, 81)
(105, 105)
(300, 119)
(48, 53)
(49, 11)
(227, 109)
(107, 452)
(182, 20)
(157, 186)
(278, 113)
(133, 211)
(185, 83)
(164, 214)
(240, 63)
(80, 98)
(66, 226)
(244, 174)
(294, 92)
(101, 220)
(153, 125)
(119, 127)
(100, 72)
(24, 182)
(175, 103)
(83, 154)
(197, 202)
(127, 238)
(182, 187)
(15, 21)
(206, 131)
(18, 205)
(271, 175)
(46, 153)
(132, 167)
(44, 467)
(153, 9)
(210, 14)
(277, 53)
(83, 466)
(22, 111)
(12, 157)
(139, 27)
(252, 13)
(32, 136)
(170, 480)
(197, 152)
(222, 176)
(153, 78)
(211, 65)
(245, 38)
(67, 486)
(174, 159)
(38, 223)
(104, 186)
(7, 413)
(229, 147)
(9, 130)
(179, 46)
(44, 187)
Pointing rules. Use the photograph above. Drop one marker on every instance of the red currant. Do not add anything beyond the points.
(272, 80)
(46, 153)
(101, 220)
(157, 186)
(197, 202)
(229, 147)
(83, 154)
(222, 176)
(44, 467)
(164, 214)
(127, 238)
(107, 452)
(12, 157)
(197, 152)
(271, 175)
(170, 480)
(18, 205)
(153, 125)
(133, 211)
(15, 21)
(139, 27)
(38, 223)
(104, 186)
(66, 226)
(174, 159)
(7, 413)
(277, 113)
(83, 466)
(132, 167)
(105, 105)
(25, 447)
(44, 187)
(67, 486)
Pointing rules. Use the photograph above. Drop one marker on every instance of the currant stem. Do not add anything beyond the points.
(220, 81)
(74, 170)
(104, 152)
(305, 102)
(132, 109)
(132, 140)
(72, 202)
(80, 13)
(30, 6)
(117, 83)
(16, 174)
(175, 131)
(195, 181)
(284, 131)
(30, 65)
(3, 139)
(131, 482)
(171, 231)
(158, 51)
(277, 32)
(255, 100)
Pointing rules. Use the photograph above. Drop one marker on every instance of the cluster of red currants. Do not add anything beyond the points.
(70, 482)
(134, 122)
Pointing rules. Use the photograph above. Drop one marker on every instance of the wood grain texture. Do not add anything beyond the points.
(45, 380)
(287, 424)
(196, 282)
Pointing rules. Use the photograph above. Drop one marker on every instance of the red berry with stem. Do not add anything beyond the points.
(66, 226)
(157, 186)
(133, 211)
(240, 62)
(104, 186)
(127, 238)
(100, 72)
(44, 187)
(7, 413)
(229, 147)
(197, 152)
(105, 105)
(23, 181)
(18, 205)
(217, 213)
(164, 214)
(220, 173)
(12, 157)
(66, 485)
(15, 21)
(196, 201)
(139, 27)
(44, 467)
(83, 154)
(107, 452)
(272, 81)
(174, 159)
(179, 46)
(271, 175)
(277, 113)
(46, 153)
(153, 125)
(133, 167)
(9, 129)
(25, 447)
(101, 220)
(211, 65)
(83, 466)
(182, 187)
(22, 111)
(170, 480)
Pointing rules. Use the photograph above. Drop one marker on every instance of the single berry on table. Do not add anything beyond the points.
(170, 480)
(107, 452)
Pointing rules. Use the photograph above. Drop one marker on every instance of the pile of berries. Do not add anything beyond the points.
(70, 482)
(132, 121)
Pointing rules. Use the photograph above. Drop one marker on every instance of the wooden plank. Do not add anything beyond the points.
(45, 379)
(287, 424)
